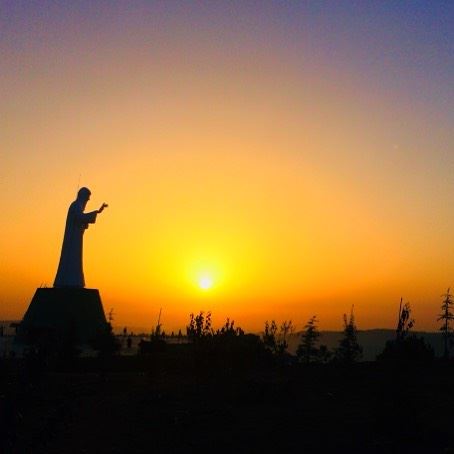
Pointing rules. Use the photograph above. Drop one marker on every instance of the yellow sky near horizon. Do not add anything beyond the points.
(298, 184)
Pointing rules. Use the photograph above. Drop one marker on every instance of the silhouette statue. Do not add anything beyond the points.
(70, 270)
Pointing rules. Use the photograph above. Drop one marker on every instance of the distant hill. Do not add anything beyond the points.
(373, 341)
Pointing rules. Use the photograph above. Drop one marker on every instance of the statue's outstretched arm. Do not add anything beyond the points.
(104, 205)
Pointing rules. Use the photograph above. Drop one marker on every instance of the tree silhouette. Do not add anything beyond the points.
(349, 350)
(404, 323)
(308, 351)
(229, 329)
(406, 346)
(199, 326)
(446, 316)
(226, 350)
(276, 339)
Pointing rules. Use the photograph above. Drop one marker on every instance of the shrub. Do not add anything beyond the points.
(274, 339)
(105, 342)
(406, 346)
(199, 326)
(412, 348)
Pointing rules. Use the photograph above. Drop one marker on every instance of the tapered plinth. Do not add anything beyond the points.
(63, 312)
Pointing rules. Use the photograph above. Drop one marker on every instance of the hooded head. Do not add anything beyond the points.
(83, 195)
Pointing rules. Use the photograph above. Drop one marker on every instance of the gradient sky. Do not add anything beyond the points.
(300, 154)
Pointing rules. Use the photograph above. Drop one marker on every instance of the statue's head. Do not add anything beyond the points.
(84, 195)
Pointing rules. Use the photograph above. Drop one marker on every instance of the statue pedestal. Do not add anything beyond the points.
(61, 312)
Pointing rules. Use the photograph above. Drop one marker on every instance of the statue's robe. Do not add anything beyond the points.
(70, 269)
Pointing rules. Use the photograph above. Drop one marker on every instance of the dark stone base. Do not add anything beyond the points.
(59, 313)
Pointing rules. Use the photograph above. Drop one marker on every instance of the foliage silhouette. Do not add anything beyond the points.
(308, 350)
(276, 340)
(226, 349)
(229, 329)
(199, 326)
(349, 350)
(406, 346)
(412, 348)
(105, 342)
(156, 342)
(446, 317)
(405, 323)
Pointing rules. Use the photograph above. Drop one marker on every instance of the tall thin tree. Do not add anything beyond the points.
(446, 317)
(404, 322)
(307, 350)
(349, 350)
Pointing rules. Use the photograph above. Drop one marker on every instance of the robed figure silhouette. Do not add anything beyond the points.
(70, 269)
(68, 312)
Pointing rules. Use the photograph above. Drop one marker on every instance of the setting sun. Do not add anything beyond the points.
(205, 282)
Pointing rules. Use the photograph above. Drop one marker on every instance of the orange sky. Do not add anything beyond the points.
(300, 178)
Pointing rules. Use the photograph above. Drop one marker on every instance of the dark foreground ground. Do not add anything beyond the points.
(169, 402)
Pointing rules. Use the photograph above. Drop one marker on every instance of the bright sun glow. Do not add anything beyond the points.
(205, 282)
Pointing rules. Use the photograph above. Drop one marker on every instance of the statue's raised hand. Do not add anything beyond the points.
(104, 205)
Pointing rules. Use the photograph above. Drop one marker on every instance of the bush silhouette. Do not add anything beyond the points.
(105, 342)
(412, 348)
(199, 327)
(406, 346)
(227, 348)
(275, 339)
